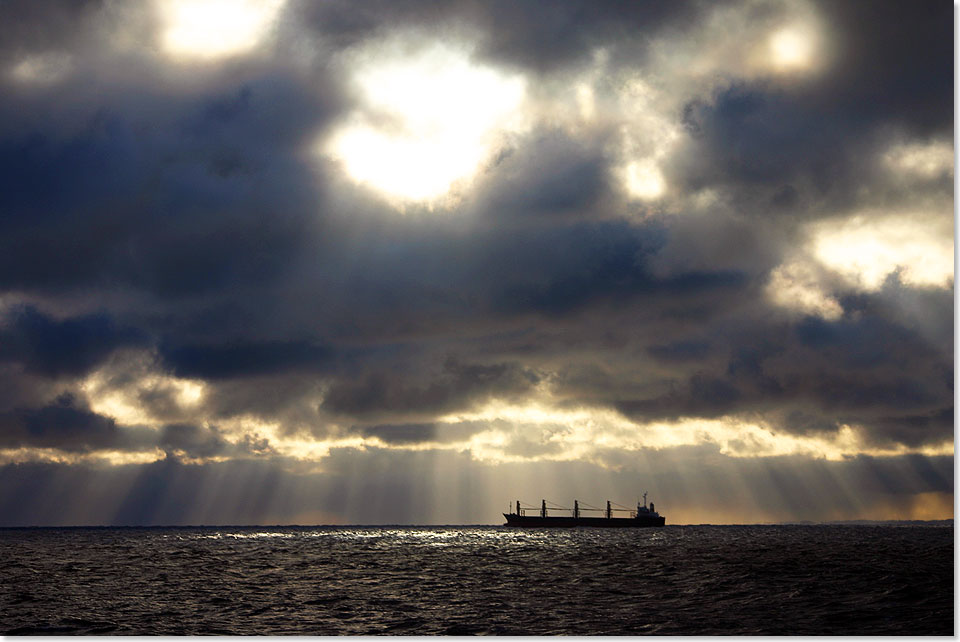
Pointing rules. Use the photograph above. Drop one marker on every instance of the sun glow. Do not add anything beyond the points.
(791, 48)
(214, 29)
(425, 121)
(644, 180)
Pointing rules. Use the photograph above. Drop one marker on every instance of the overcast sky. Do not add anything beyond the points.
(409, 261)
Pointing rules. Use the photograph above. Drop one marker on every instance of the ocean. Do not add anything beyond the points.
(463, 580)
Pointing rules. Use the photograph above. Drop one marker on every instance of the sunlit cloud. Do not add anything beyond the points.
(923, 160)
(640, 116)
(799, 286)
(314, 450)
(642, 104)
(429, 116)
(862, 250)
(427, 120)
(869, 246)
(189, 391)
(586, 101)
(649, 133)
(103, 457)
(215, 29)
(520, 433)
(586, 434)
(773, 39)
(123, 399)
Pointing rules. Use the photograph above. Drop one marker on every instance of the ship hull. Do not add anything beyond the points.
(529, 521)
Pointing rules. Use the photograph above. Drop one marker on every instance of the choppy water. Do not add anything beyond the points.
(465, 580)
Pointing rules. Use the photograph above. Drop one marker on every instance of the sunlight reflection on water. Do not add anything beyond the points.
(475, 580)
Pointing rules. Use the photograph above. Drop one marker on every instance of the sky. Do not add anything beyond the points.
(409, 261)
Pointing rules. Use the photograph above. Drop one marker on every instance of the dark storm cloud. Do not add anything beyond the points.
(209, 441)
(69, 347)
(159, 190)
(67, 424)
(545, 41)
(238, 360)
(430, 276)
(752, 136)
(458, 385)
(863, 369)
(194, 440)
(410, 280)
(42, 25)
(514, 33)
(63, 424)
(404, 434)
(680, 350)
(852, 367)
(914, 429)
(560, 270)
(892, 72)
(701, 396)
(897, 63)
(551, 175)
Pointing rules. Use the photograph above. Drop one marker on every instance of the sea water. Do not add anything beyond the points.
(692, 580)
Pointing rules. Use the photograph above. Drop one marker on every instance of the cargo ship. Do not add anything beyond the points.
(641, 517)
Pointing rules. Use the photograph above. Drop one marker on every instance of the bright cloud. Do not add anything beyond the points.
(798, 285)
(215, 29)
(426, 120)
(869, 246)
(587, 433)
(921, 159)
(123, 399)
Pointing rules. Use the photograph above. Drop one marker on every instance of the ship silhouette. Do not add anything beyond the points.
(639, 518)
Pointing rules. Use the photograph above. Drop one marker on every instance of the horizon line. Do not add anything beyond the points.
(479, 525)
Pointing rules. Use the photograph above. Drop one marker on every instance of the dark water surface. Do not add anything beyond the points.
(464, 580)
